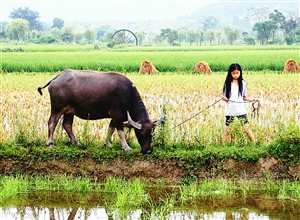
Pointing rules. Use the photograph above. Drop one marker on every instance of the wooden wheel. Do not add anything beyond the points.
(124, 36)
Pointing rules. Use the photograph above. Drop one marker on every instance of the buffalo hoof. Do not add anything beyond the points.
(126, 149)
(50, 144)
(148, 152)
(107, 145)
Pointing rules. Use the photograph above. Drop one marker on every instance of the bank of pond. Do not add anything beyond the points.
(69, 197)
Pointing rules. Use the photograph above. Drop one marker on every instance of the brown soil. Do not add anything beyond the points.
(167, 171)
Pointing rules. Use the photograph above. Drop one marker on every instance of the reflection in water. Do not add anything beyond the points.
(43, 213)
(90, 206)
(33, 213)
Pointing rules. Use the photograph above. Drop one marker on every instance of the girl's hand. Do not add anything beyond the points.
(250, 100)
(224, 99)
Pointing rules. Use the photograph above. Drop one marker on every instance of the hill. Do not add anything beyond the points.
(225, 12)
(236, 13)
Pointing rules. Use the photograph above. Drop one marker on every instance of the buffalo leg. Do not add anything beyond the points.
(53, 120)
(111, 129)
(67, 124)
(118, 124)
(121, 134)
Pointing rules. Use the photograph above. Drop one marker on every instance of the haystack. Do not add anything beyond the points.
(291, 66)
(202, 67)
(147, 67)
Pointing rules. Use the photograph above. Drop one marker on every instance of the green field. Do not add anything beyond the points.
(39, 58)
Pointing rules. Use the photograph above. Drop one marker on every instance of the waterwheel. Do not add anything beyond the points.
(124, 36)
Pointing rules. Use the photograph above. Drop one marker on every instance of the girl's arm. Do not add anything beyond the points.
(247, 99)
(224, 99)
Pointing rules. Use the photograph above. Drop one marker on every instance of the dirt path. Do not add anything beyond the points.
(168, 171)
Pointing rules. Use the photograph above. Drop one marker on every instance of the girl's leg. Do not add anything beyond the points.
(249, 133)
(227, 137)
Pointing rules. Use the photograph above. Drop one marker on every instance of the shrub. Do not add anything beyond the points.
(49, 39)
(287, 146)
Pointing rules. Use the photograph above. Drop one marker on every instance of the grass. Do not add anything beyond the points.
(135, 193)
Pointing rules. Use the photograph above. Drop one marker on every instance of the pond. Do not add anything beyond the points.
(162, 205)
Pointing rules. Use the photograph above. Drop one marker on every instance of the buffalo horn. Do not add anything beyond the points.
(133, 123)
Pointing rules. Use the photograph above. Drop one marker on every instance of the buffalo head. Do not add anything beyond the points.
(144, 132)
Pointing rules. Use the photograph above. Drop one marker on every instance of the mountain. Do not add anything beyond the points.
(226, 12)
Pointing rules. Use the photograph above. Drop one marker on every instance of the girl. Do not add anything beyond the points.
(235, 94)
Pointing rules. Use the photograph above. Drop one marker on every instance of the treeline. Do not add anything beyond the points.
(276, 28)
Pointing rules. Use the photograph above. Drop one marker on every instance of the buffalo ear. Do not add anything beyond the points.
(161, 120)
(128, 125)
(133, 123)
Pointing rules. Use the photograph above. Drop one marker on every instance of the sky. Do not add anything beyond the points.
(91, 10)
(110, 10)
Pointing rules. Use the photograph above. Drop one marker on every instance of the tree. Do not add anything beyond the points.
(58, 23)
(2, 29)
(296, 33)
(219, 36)
(191, 36)
(210, 23)
(288, 27)
(257, 14)
(141, 35)
(107, 35)
(29, 15)
(210, 34)
(90, 35)
(170, 35)
(17, 29)
(34, 35)
(56, 32)
(78, 37)
(232, 33)
(67, 34)
(277, 17)
(181, 35)
(200, 36)
(248, 39)
(101, 32)
(264, 31)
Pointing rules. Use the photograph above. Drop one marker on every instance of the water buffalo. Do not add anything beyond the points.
(93, 95)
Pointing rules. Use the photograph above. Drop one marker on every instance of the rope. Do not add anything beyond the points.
(255, 110)
(197, 113)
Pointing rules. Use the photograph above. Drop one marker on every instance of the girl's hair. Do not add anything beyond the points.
(228, 80)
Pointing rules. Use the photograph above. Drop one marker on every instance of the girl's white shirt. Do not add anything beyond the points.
(235, 105)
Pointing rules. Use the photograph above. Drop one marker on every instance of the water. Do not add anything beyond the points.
(100, 206)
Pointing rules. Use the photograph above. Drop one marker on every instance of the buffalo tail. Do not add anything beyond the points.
(40, 88)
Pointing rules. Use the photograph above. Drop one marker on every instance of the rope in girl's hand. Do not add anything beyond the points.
(255, 110)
